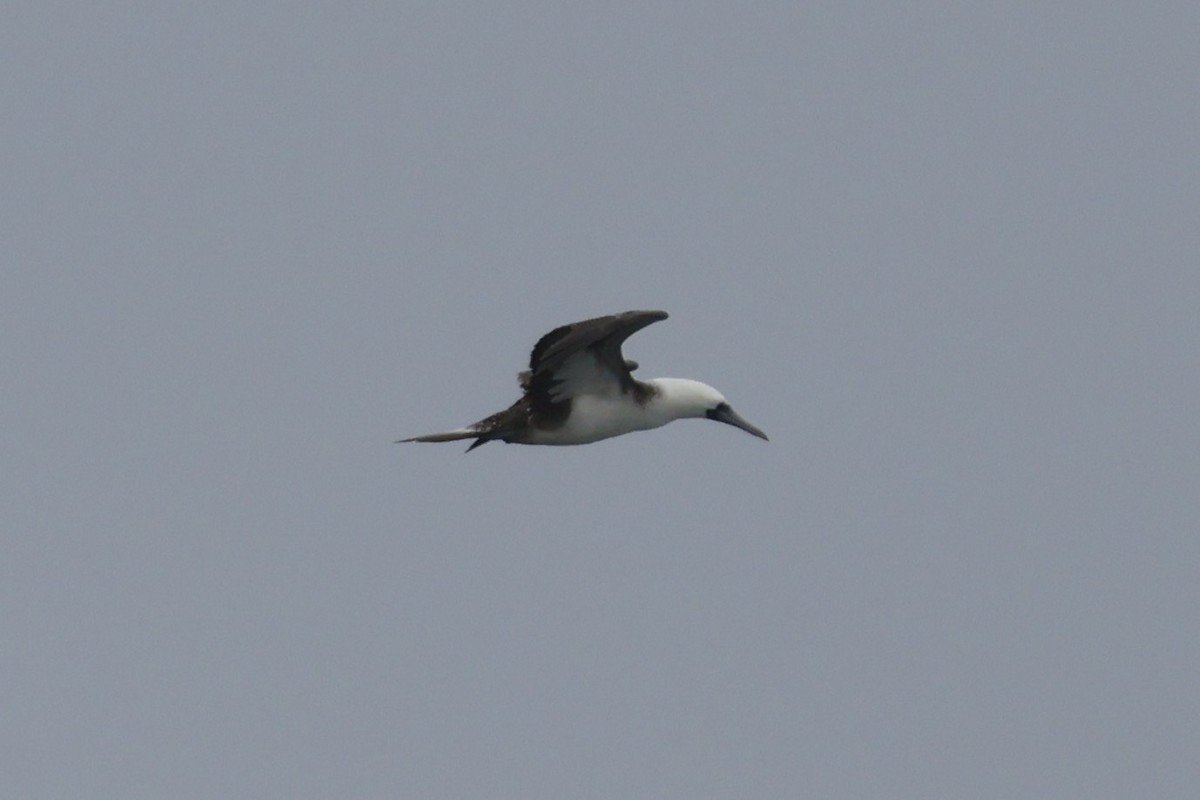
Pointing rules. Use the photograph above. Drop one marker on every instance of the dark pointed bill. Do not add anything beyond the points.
(724, 413)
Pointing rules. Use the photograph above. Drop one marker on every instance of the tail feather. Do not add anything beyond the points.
(500, 426)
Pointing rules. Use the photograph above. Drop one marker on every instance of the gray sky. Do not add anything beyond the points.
(946, 255)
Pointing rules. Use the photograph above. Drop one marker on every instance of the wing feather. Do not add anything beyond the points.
(586, 353)
(608, 332)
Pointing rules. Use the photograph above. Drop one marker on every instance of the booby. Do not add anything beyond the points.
(579, 389)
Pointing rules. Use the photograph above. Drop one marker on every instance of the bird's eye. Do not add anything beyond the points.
(714, 413)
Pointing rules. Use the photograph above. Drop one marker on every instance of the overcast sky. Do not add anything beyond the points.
(947, 255)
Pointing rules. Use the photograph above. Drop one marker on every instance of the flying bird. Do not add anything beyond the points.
(579, 389)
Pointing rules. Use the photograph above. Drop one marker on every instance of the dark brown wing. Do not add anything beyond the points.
(603, 335)
(524, 377)
(598, 341)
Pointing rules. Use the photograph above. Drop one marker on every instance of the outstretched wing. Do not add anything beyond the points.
(584, 358)
(523, 377)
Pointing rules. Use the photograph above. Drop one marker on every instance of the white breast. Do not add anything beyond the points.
(596, 417)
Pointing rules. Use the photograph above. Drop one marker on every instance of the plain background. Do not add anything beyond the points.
(945, 254)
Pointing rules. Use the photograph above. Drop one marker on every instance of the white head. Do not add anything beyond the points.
(683, 398)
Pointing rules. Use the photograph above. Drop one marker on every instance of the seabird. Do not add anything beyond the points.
(579, 389)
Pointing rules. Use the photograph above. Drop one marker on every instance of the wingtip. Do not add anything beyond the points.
(656, 314)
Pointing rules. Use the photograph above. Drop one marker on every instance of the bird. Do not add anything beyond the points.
(580, 389)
